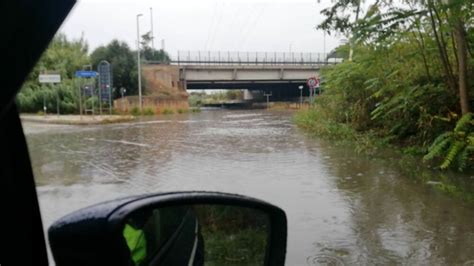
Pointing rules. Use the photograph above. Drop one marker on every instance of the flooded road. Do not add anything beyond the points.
(358, 209)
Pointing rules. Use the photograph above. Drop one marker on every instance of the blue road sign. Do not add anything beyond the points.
(86, 74)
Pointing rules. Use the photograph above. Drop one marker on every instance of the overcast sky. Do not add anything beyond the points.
(225, 25)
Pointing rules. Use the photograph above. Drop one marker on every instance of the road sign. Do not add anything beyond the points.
(105, 80)
(86, 74)
(49, 78)
(88, 90)
(313, 83)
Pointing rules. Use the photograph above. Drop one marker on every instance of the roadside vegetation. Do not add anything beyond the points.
(65, 56)
(407, 80)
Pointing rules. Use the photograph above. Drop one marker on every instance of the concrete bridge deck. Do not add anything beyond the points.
(244, 76)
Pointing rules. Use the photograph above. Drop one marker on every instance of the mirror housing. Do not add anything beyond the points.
(94, 235)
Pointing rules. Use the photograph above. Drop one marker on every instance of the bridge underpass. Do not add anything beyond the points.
(282, 81)
(277, 73)
(279, 91)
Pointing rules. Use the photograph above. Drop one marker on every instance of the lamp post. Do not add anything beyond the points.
(80, 91)
(301, 95)
(138, 64)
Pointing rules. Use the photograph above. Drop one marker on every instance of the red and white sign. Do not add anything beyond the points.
(313, 83)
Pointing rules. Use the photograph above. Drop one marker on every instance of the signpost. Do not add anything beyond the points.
(87, 90)
(318, 86)
(268, 96)
(301, 95)
(53, 79)
(122, 91)
(312, 83)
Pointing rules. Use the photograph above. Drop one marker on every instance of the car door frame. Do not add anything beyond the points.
(27, 28)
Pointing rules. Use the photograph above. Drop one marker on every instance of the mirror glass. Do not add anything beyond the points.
(198, 235)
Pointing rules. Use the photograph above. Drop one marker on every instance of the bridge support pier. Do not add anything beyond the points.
(251, 95)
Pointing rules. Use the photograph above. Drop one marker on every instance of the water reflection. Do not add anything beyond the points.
(394, 221)
(361, 210)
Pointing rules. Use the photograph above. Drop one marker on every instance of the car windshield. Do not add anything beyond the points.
(352, 116)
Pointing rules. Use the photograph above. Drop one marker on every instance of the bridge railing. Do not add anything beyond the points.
(251, 58)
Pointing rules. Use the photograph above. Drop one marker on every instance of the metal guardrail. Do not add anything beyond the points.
(251, 58)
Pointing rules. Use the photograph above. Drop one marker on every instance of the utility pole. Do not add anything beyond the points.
(44, 104)
(57, 98)
(138, 65)
(80, 97)
(122, 91)
(152, 34)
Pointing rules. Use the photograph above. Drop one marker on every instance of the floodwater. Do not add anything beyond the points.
(342, 207)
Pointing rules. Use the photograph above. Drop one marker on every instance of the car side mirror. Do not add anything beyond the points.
(182, 228)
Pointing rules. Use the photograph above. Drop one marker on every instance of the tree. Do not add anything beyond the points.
(339, 20)
(150, 54)
(458, 11)
(123, 62)
(63, 56)
(409, 79)
(445, 22)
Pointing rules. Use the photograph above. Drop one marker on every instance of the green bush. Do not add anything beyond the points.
(148, 111)
(167, 111)
(182, 111)
(135, 111)
(196, 110)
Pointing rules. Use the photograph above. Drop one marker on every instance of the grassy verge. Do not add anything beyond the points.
(315, 123)
(410, 158)
(148, 111)
(76, 119)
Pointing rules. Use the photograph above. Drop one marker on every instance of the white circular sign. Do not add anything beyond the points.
(312, 82)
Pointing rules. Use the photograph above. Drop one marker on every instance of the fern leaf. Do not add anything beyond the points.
(462, 158)
(452, 153)
(464, 123)
(436, 150)
(440, 138)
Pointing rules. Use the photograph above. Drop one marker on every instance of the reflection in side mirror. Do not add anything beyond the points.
(198, 235)
(185, 228)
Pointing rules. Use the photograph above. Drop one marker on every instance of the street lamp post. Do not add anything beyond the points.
(138, 64)
(301, 95)
(80, 94)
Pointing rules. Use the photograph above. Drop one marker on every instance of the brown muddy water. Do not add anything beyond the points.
(341, 207)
